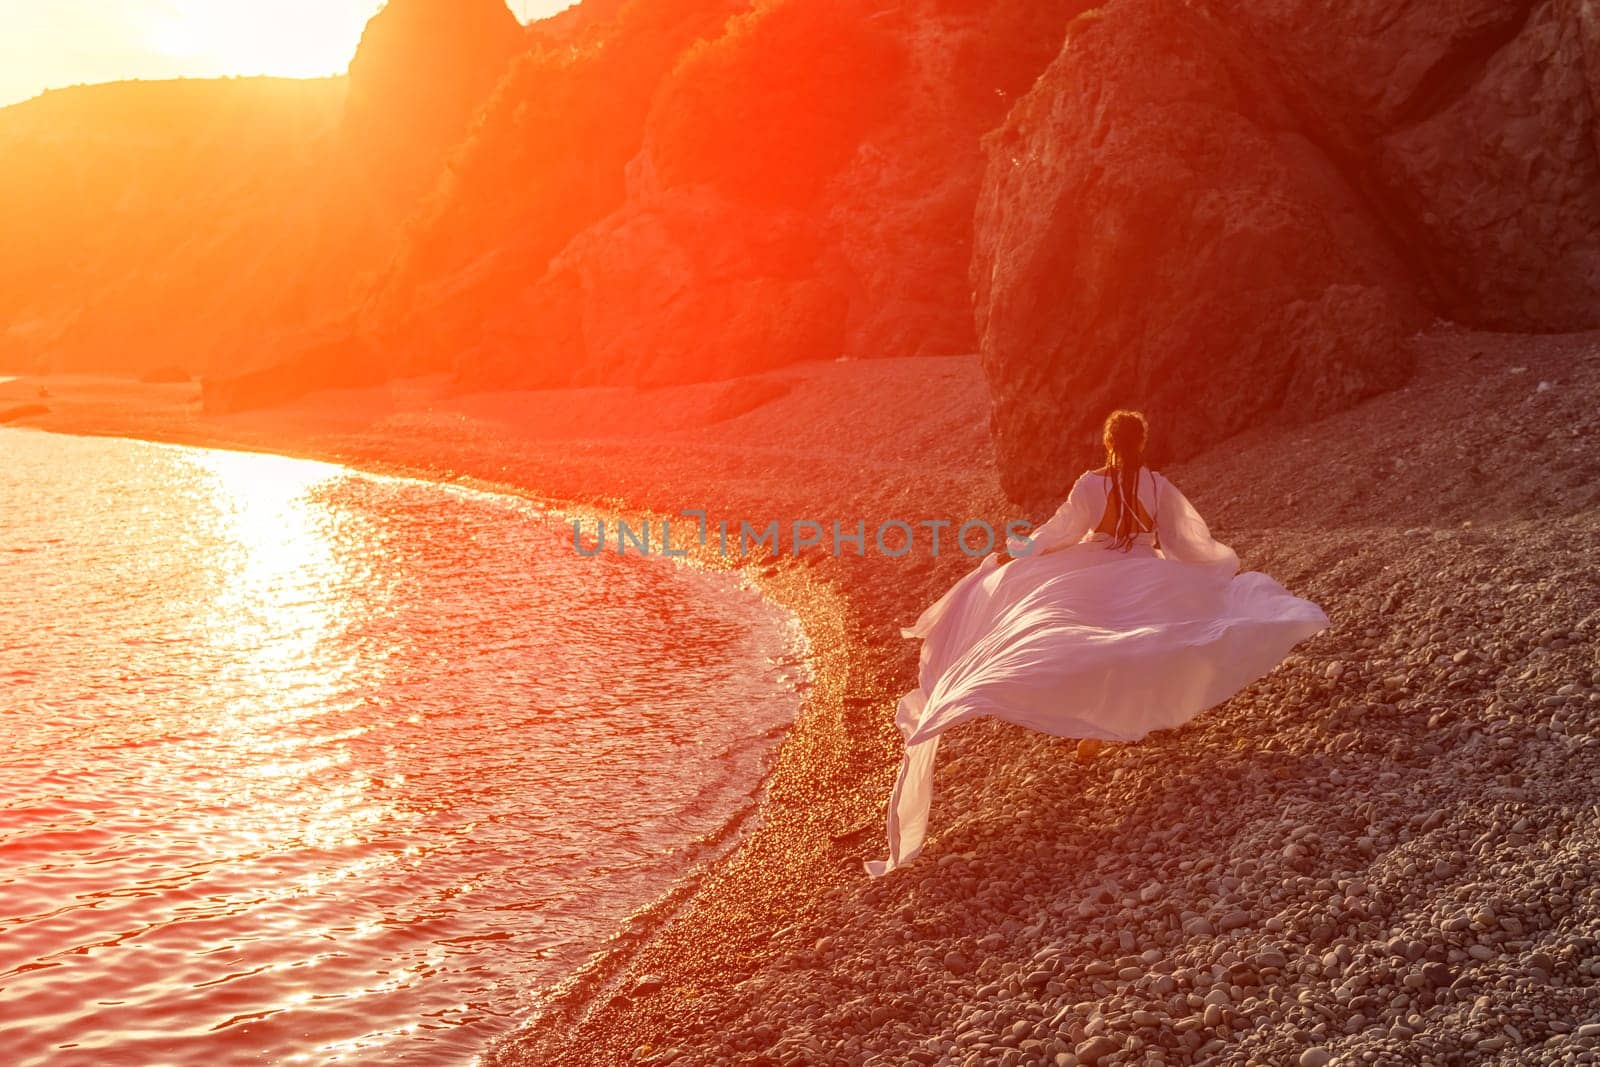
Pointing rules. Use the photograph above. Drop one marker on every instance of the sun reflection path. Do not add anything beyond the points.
(277, 550)
(290, 578)
(334, 766)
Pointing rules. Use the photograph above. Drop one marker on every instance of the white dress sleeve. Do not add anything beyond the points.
(1071, 521)
(1186, 537)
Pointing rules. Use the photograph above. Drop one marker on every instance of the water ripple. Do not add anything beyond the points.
(310, 766)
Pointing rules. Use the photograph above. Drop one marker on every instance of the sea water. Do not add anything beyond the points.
(304, 765)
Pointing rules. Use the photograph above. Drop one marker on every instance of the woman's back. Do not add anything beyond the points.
(1164, 517)
(1137, 516)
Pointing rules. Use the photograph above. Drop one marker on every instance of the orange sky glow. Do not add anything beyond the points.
(49, 44)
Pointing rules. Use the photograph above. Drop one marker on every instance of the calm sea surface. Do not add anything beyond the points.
(300, 765)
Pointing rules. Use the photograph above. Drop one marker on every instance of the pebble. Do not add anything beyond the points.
(1095, 1049)
(1381, 852)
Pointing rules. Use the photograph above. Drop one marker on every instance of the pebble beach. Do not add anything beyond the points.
(1384, 852)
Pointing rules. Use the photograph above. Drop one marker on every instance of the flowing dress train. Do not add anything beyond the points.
(1088, 641)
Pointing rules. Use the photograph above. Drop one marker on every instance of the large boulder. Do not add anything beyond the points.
(1472, 127)
(899, 212)
(1155, 231)
(1498, 186)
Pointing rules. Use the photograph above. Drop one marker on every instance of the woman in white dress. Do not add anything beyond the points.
(1119, 615)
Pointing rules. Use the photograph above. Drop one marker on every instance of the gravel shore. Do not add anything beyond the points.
(1386, 851)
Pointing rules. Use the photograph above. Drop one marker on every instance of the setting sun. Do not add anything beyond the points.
(74, 42)
(292, 38)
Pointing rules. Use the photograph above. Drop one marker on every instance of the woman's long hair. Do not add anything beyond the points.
(1125, 435)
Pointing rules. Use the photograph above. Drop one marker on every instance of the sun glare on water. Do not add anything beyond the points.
(279, 547)
(283, 565)
(311, 766)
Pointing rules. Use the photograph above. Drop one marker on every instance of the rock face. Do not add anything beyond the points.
(1226, 212)
(419, 78)
(420, 75)
(795, 182)
(644, 297)
(1474, 128)
(1510, 230)
(1154, 232)
(900, 211)
(546, 160)
(716, 263)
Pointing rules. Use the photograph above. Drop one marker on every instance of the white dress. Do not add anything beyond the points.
(1089, 641)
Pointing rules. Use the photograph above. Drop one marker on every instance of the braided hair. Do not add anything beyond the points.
(1125, 435)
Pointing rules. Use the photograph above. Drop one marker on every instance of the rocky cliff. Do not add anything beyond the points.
(222, 224)
(1221, 212)
(701, 188)
(1225, 213)
(545, 160)
(418, 79)
(1228, 213)
(153, 223)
